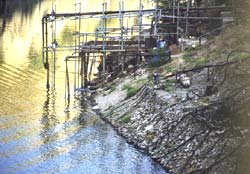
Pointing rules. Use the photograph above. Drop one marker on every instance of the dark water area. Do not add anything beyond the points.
(9, 7)
(39, 133)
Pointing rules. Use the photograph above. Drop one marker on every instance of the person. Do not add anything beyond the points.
(168, 53)
(156, 79)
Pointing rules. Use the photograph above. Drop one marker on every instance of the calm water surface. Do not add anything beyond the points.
(38, 132)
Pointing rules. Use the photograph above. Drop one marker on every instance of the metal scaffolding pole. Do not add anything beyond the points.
(174, 10)
(140, 30)
(79, 49)
(75, 66)
(104, 25)
(45, 49)
(187, 22)
(157, 17)
(110, 41)
(121, 9)
(54, 45)
(178, 22)
(67, 86)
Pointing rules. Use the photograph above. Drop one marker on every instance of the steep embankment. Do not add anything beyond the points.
(200, 129)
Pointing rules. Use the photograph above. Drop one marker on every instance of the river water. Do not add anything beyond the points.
(39, 133)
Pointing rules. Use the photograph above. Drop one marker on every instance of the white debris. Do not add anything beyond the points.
(96, 108)
(184, 80)
(149, 128)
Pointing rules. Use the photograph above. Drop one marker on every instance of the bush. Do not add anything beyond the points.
(158, 57)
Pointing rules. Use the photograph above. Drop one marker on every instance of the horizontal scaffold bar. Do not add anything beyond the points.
(101, 13)
(190, 17)
(58, 15)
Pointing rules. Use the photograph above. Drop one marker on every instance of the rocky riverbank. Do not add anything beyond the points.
(180, 127)
(199, 128)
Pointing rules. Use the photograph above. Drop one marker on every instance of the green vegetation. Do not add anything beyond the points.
(149, 137)
(131, 90)
(126, 118)
(126, 87)
(200, 61)
(169, 69)
(194, 61)
(142, 81)
(158, 57)
(238, 55)
(169, 87)
(188, 57)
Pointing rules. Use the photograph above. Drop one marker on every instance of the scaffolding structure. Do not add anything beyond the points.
(113, 42)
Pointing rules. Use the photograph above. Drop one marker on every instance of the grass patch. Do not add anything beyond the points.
(126, 118)
(188, 58)
(200, 61)
(131, 90)
(126, 87)
(142, 81)
(169, 86)
(168, 69)
(194, 60)
(238, 55)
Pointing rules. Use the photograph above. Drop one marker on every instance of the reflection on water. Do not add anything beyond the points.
(58, 142)
(39, 133)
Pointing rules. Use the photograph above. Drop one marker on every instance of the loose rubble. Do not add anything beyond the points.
(179, 128)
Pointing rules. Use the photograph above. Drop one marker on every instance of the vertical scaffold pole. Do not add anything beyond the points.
(54, 44)
(187, 22)
(43, 24)
(121, 9)
(139, 32)
(45, 48)
(156, 18)
(86, 70)
(91, 66)
(67, 90)
(79, 47)
(83, 67)
(104, 25)
(75, 71)
(178, 23)
(174, 4)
